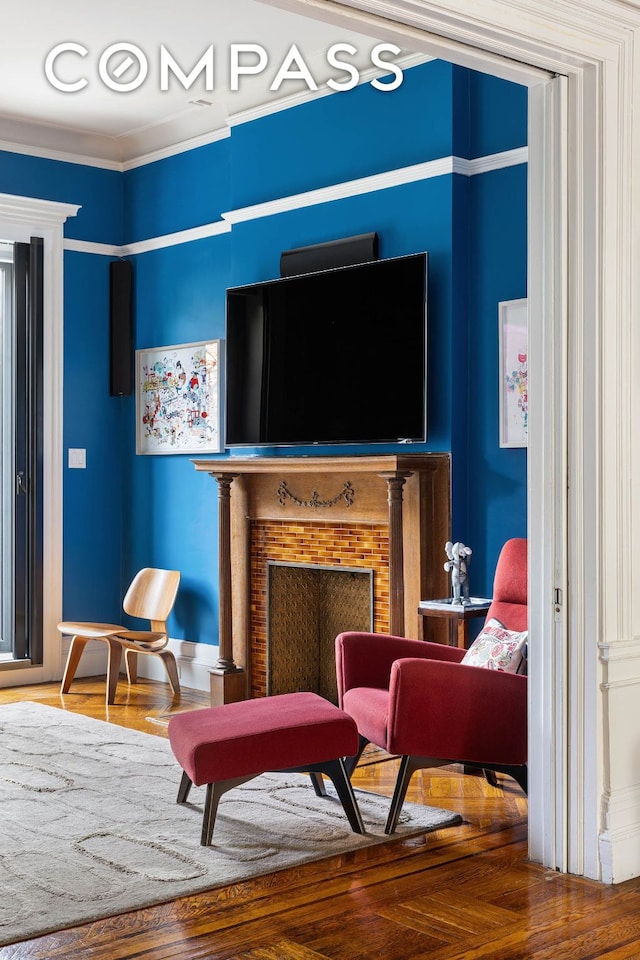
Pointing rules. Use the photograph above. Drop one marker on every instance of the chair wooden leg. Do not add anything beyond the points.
(405, 773)
(519, 773)
(113, 668)
(73, 659)
(131, 664)
(172, 669)
(408, 766)
(491, 778)
(352, 762)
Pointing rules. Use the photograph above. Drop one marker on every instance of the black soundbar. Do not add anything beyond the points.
(325, 256)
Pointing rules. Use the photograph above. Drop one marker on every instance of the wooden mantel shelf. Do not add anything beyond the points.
(410, 493)
(359, 464)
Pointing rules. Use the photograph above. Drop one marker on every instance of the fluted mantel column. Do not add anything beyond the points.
(228, 681)
(395, 483)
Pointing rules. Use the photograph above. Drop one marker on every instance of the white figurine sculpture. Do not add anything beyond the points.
(458, 563)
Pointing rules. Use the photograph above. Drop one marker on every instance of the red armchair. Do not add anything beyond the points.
(415, 699)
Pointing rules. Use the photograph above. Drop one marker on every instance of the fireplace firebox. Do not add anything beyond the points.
(307, 607)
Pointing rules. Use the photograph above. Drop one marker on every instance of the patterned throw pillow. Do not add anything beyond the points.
(496, 648)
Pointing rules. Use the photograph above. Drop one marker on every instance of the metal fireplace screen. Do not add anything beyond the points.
(307, 607)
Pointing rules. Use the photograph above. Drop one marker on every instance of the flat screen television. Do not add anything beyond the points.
(337, 356)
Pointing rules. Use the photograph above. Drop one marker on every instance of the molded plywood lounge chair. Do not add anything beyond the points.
(151, 596)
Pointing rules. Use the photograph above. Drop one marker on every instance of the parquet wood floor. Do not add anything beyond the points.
(464, 893)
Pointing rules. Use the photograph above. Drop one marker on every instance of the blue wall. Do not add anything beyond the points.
(496, 489)
(172, 515)
(94, 501)
(335, 139)
(490, 210)
(126, 511)
(98, 191)
(93, 498)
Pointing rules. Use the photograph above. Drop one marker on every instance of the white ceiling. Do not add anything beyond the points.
(117, 128)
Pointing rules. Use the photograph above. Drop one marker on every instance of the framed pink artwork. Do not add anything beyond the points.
(514, 376)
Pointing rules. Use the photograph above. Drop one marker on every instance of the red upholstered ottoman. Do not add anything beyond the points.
(227, 745)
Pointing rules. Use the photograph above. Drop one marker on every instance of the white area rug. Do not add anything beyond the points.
(90, 827)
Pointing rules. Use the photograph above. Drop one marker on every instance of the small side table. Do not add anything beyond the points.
(458, 615)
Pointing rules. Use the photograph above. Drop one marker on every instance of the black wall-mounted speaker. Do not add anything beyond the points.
(121, 328)
(325, 256)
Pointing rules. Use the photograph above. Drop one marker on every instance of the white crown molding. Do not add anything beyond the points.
(174, 239)
(47, 152)
(153, 243)
(64, 156)
(30, 210)
(135, 148)
(493, 161)
(498, 161)
(53, 142)
(339, 191)
(379, 181)
(89, 246)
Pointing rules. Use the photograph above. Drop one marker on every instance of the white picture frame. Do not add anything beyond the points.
(513, 373)
(178, 398)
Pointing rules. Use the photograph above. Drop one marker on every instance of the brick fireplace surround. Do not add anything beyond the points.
(334, 545)
(389, 513)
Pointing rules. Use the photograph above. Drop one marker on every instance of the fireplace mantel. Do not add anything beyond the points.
(359, 464)
(408, 493)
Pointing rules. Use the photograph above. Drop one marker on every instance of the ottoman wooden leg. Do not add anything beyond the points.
(214, 792)
(318, 784)
(210, 810)
(336, 770)
(183, 789)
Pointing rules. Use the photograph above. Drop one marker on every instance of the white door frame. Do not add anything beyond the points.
(584, 466)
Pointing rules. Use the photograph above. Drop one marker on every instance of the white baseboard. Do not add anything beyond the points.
(194, 660)
(619, 828)
(619, 841)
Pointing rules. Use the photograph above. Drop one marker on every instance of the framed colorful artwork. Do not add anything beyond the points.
(178, 398)
(514, 373)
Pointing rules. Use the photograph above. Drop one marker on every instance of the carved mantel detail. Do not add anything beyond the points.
(347, 494)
